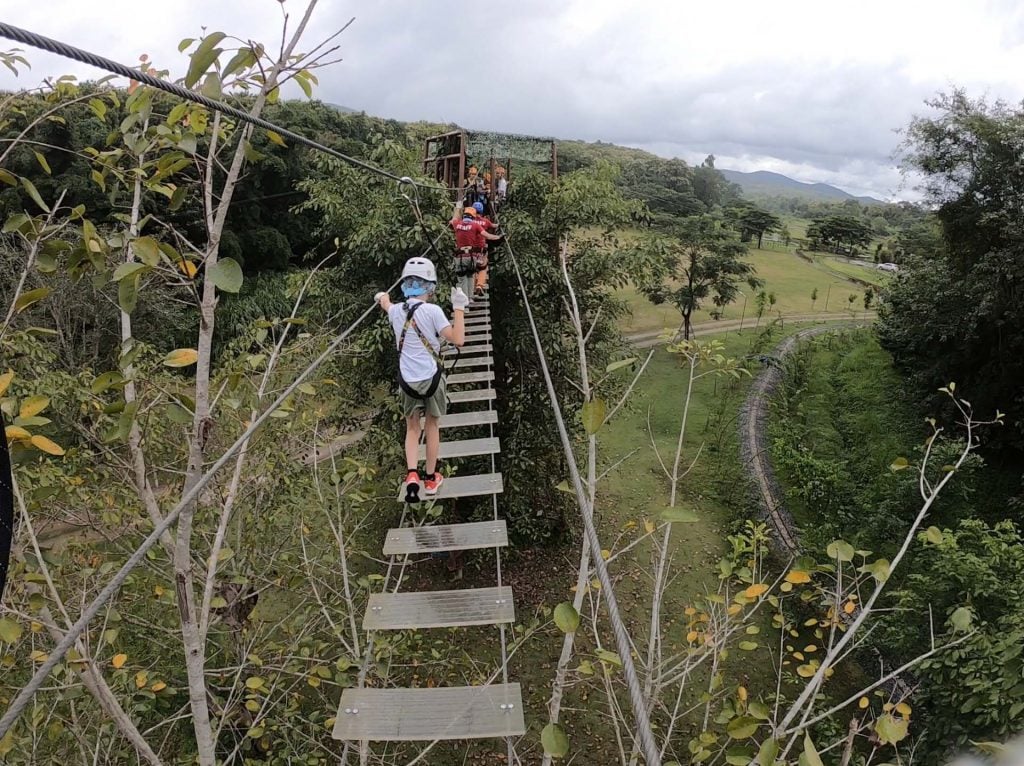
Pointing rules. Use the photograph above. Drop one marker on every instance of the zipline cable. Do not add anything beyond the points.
(67, 642)
(23, 36)
(650, 748)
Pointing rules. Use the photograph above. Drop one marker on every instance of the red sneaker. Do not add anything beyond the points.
(432, 483)
(412, 487)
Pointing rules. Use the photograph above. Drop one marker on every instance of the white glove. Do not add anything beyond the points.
(377, 298)
(459, 299)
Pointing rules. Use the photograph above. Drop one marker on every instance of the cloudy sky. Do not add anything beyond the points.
(810, 88)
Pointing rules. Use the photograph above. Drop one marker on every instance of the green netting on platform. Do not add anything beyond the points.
(482, 145)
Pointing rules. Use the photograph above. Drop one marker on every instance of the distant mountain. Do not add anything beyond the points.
(342, 109)
(764, 183)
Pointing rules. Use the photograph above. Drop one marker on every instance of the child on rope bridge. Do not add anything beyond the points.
(419, 326)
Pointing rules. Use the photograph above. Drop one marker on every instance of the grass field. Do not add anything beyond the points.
(789, 276)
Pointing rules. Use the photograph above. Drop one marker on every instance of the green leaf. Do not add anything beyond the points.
(43, 163)
(128, 292)
(241, 60)
(306, 87)
(148, 250)
(105, 381)
(127, 269)
(566, 617)
(742, 727)
(813, 759)
(891, 730)
(211, 86)
(554, 740)
(768, 753)
(620, 364)
(899, 464)
(185, 43)
(178, 414)
(679, 515)
(34, 193)
(8, 178)
(748, 646)
(251, 155)
(961, 619)
(205, 55)
(275, 138)
(16, 222)
(738, 759)
(226, 275)
(840, 549)
(758, 710)
(564, 487)
(933, 535)
(879, 569)
(592, 415)
(26, 299)
(10, 631)
(610, 657)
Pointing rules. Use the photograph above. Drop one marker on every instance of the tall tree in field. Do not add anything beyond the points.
(699, 260)
(754, 222)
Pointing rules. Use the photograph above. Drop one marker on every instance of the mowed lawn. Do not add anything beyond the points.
(791, 278)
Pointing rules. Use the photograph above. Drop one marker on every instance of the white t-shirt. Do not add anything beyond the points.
(415, 362)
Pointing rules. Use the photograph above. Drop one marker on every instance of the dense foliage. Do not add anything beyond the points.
(956, 313)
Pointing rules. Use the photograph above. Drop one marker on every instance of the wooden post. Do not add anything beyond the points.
(462, 168)
(554, 161)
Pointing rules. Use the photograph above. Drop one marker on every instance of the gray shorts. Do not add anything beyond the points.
(436, 405)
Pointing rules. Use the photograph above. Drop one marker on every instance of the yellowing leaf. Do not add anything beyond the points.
(181, 357)
(45, 445)
(755, 590)
(863, 702)
(14, 433)
(119, 661)
(253, 682)
(798, 577)
(903, 709)
(33, 406)
(38, 656)
(648, 524)
(275, 138)
(891, 730)
(10, 631)
(806, 671)
(606, 554)
(741, 692)
(188, 268)
(141, 679)
(158, 686)
(899, 464)
(5, 381)
(692, 636)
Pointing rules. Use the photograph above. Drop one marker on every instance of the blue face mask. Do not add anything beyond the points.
(413, 288)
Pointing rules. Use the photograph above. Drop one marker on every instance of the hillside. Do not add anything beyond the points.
(764, 183)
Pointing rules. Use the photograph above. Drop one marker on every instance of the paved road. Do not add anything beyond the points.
(653, 337)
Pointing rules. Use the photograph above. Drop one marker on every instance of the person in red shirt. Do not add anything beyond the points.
(483, 261)
(471, 237)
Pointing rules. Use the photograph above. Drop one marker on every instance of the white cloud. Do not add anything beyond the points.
(809, 88)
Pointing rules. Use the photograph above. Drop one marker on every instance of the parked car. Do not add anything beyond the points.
(887, 267)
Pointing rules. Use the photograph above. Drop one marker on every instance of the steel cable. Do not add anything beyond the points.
(623, 643)
(23, 36)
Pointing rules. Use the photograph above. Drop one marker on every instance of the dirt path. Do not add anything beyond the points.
(653, 337)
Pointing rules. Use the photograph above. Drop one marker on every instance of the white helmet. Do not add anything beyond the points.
(420, 267)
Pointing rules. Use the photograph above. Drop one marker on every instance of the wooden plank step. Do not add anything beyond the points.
(474, 361)
(439, 609)
(433, 538)
(472, 395)
(477, 329)
(469, 377)
(462, 486)
(464, 419)
(465, 448)
(484, 337)
(446, 713)
(481, 318)
(469, 349)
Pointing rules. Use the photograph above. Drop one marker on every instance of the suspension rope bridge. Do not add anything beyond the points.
(366, 713)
